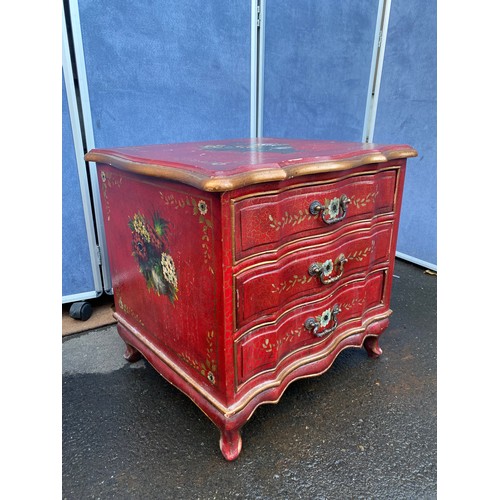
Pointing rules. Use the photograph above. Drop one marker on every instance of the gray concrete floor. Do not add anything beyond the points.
(364, 429)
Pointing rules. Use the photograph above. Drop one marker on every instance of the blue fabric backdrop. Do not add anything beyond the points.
(76, 265)
(167, 71)
(317, 67)
(407, 114)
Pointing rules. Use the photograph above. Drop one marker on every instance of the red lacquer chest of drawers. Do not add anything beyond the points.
(239, 266)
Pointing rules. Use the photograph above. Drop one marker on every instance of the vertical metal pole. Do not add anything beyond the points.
(257, 67)
(260, 82)
(254, 58)
(80, 163)
(88, 130)
(384, 9)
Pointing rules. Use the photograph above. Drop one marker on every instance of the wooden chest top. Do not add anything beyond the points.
(231, 164)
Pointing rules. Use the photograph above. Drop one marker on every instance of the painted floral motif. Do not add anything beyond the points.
(125, 308)
(149, 248)
(207, 368)
(359, 255)
(325, 318)
(332, 210)
(290, 219)
(284, 286)
(200, 209)
(333, 207)
(362, 202)
(327, 267)
(139, 226)
(356, 302)
(254, 147)
(109, 180)
(168, 268)
(268, 346)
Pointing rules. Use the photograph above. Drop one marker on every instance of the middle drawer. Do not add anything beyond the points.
(266, 291)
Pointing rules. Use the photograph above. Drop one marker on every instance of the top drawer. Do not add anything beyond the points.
(266, 221)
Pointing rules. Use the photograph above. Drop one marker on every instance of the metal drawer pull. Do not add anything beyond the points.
(324, 270)
(336, 209)
(313, 324)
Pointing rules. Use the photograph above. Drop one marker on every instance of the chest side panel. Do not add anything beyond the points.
(164, 253)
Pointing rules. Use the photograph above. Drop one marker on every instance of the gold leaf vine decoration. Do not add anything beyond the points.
(269, 346)
(286, 285)
(354, 302)
(109, 180)
(362, 202)
(125, 308)
(200, 209)
(359, 255)
(207, 368)
(293, 219)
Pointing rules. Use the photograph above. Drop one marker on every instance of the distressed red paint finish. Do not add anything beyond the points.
(211, 247)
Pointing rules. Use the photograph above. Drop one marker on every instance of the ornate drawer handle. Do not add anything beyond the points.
(333, 209)
(324, 270)
(321, 321)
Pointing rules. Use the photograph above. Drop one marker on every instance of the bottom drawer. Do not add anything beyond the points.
(309, 327)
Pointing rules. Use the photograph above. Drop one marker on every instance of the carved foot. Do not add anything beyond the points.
(372, 347)
(230, 444)
(131, 354)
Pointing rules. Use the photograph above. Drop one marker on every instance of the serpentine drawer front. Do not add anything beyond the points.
(264, 289)
(273, 219)
(314, 326)
(239, 266)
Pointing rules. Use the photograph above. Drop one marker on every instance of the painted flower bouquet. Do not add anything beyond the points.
(150, 250)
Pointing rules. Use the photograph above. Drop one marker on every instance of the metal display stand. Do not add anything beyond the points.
(88, 133)
(92, 271)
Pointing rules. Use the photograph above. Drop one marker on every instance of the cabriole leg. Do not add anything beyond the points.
(131, 354)
(230, 443)
(372, 347)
